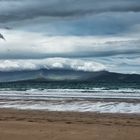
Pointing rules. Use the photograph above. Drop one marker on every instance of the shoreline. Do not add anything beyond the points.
(126, 100)
(34, 125)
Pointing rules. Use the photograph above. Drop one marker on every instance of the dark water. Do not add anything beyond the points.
(67, 85)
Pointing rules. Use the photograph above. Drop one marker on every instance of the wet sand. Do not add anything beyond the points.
(41, 125)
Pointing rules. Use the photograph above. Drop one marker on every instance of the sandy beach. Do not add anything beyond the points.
(41, 125)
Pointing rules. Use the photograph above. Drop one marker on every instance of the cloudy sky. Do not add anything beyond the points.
(88, 35)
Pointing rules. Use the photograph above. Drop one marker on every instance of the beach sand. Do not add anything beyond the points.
(41, 125)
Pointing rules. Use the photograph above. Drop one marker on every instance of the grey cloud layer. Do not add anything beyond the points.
(38, 46)
(71, 17)
(14, 10)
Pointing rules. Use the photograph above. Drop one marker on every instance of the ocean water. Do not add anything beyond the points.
(72, 96)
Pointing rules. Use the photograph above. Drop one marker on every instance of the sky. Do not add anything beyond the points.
(88, 35)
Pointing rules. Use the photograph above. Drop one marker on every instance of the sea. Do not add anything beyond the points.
(71, 96)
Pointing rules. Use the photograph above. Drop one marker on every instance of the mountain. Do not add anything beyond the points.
(45, 75)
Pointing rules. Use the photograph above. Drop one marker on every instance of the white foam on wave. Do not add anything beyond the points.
(46, 94)
(75, 106)
(70, 100)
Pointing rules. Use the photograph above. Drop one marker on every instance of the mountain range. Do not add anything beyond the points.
(47, 75)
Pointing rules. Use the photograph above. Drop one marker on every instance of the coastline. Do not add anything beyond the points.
(34, 125)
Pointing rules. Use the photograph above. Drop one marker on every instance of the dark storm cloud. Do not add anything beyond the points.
(14, 10)
(71, 17)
